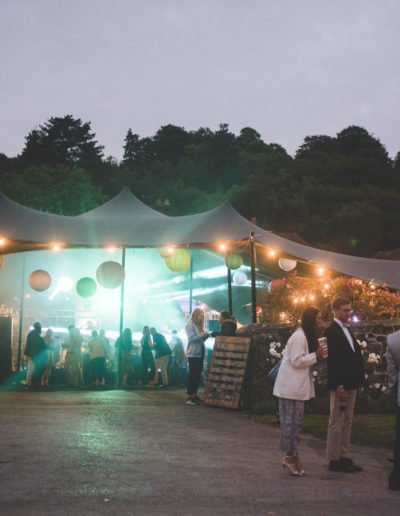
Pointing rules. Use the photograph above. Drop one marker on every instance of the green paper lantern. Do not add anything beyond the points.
(233, 261)
(178, 261)
(110, 274)
(86, 287)
(40, 280)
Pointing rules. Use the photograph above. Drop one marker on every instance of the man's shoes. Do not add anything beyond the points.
(349, 462)
(198, 400)
(190, 401)
(337, 465)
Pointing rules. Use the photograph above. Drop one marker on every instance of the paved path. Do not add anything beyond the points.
(147, 453)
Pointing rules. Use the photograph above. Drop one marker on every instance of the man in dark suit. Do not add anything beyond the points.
(393, 369)
(345, 374)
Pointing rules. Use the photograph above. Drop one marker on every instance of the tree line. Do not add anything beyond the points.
(337, 193)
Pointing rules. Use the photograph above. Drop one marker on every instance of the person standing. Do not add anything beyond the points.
(72, 364)
(34, 351)
(294, 384)
(49, 342)
(123, 348)
(147, 356)
(195, 353)
(98, 353)
(228, 325)
(393, 369)
(179, 358)
(345, 374)
(162, 356)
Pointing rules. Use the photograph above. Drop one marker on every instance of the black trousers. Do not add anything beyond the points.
(195, 369)
(394, 478)
(148, 363)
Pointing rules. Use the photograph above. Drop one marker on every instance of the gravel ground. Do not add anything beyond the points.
(146, 452)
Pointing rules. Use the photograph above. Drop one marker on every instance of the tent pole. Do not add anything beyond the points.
(121, 305)
(230, 291)
(121, 315)
(191, 285)
(21, 313)
(253, 278)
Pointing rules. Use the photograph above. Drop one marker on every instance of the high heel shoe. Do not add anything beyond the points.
(289, 462)
(299, 466)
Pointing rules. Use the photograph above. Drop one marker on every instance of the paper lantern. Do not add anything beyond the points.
(165, 251)
(276, 283)
(110, 274)
(86, 287)
(287, 265)
(233, 261)
(240, 278)
(40, 280)
(178, 261)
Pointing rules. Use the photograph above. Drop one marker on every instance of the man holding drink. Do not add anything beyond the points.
(345, 374)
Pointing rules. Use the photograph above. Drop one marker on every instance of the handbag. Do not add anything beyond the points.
(273, 372)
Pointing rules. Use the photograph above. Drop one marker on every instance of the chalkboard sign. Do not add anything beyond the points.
(227, 372)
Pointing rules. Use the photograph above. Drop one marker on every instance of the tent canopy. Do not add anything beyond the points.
(125, 221)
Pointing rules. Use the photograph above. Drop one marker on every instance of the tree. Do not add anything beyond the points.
(61, 190)
(62, 141)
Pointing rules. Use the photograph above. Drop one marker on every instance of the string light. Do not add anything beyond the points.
(222, 247)
(3, 241)
(272, 253)
(320, 271)
(56, 246)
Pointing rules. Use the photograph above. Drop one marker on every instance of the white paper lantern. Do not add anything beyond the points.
(286, 264)
(240, 278)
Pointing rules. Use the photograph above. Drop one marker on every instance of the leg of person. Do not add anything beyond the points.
(191, 382)
(346, 430)
(394, 478)
(164, 369)
(334, 438)
(30, 371)
(156, 368)
(291, 414)
(197, 376)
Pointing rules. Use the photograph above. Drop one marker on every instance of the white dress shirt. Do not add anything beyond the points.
(346, 332)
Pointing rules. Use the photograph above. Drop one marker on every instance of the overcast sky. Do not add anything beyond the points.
(287, 68)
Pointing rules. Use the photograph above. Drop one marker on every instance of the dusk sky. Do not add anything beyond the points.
(287, 68)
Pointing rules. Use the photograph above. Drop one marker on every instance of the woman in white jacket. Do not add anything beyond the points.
(294, 384)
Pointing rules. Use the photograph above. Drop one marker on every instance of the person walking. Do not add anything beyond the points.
(393, 369)
(345, 374)
(162, 356)
(294, 384)
(195, 353)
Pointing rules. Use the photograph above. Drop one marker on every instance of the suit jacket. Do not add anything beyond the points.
(393, 362)
(345, 366)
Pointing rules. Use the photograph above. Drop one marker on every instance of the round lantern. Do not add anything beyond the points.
(276, 283)
(287, 265)
(86, 287)
(165, 251)
(233, 261)
(40, 280)
(178, 261)
(110, 274)
(240, 278)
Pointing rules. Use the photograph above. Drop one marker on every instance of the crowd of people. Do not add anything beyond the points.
(162, 363)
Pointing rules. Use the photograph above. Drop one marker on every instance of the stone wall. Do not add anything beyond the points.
(264, 356)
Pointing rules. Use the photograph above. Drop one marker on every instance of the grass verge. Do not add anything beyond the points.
(368, 429)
